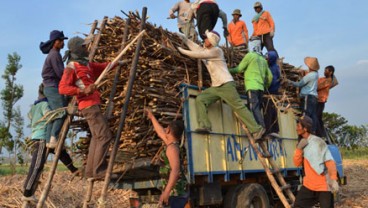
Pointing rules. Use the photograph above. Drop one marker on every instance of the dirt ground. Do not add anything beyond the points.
(70, 194)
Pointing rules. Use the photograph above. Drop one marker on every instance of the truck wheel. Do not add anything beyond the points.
(247, 195)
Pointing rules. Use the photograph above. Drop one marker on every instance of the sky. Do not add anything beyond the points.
(334, 31)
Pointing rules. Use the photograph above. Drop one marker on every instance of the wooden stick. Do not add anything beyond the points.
(118, 57)
(88, 197)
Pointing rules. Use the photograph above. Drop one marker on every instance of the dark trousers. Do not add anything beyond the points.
(320, 128)
(37, 164)
(309, 106)
(255, 98)
(307, 198)
(270, 116)
(267, 41)
(207, 16)
(101, 138)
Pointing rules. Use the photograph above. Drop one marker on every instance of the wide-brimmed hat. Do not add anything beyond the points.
(312, 63)
(236, 11)
(54, 35)
(306, 122)
(213, 37)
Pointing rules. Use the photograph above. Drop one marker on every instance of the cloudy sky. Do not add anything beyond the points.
(335, 31)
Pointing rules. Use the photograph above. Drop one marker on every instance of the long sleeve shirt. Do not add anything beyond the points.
(214, 60)
(257, 75)
(238, 33)
(53, 68)
(308, 84)
(77, 77)
(184, 12)
(264, 25)
(318, 164)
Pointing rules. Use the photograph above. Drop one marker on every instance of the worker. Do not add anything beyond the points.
(207, 12)
(38, 125)
(324, 85)
(175, 191)
(320, 179)
(263, 27)
(78, 80)
(308, 90)
(222, 87)
(270, 110)
(238, 32)
(257, 78)
(52, 72)
(185, 20)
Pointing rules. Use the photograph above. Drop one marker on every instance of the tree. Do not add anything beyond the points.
(19, 145)
(9, 96)
(350, 136)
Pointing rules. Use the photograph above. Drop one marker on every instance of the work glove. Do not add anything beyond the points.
(333, 185)
(302, 143)
(272, 33)
(90, 89)
(226, 32)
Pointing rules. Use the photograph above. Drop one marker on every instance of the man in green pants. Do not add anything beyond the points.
(223, 85)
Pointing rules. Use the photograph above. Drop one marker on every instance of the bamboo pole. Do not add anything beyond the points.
(132, 75)
(62, 136)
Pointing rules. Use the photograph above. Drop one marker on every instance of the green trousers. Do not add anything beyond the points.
(228, 93)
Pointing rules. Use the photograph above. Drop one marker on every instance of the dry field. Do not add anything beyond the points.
(69, 194)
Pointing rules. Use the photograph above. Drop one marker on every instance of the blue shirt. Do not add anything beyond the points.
(308, 84)
(53, 69)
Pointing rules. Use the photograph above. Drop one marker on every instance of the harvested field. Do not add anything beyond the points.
(69, 194)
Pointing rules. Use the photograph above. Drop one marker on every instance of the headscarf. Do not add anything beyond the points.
(77, 51)
(257, 16)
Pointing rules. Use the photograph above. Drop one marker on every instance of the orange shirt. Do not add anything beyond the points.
(312, 180)
(264, 25)
(238, 33)
(324, 85)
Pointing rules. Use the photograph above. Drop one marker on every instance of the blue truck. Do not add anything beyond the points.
(222, 168)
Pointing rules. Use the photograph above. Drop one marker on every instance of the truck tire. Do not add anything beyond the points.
(247, 195)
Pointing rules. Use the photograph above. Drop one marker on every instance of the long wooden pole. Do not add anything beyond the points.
(102, 199)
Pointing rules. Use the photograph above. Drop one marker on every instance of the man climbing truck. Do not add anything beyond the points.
(222, 168)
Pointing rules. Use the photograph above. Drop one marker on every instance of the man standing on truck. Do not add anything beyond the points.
(223, 85)
(238, 32)
(78, 80)
(263, 26)
(257, 78)
(174, 193)
(320, 179)
(324, 85)
(308, 90)
(185, 19)
(207, 12)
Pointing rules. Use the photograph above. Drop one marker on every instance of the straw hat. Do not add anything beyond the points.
(237, 11)
(312, 63)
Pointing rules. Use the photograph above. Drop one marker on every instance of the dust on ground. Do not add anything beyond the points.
(70, 194)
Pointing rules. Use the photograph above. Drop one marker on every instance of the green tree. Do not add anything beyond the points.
(19, 144)
(10, 95)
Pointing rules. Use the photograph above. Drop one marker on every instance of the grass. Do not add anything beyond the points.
(5, 169)
(358, 153)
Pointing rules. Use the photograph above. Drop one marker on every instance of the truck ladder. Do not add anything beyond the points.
(278, 183)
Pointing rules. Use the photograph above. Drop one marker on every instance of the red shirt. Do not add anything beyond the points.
(76, 77)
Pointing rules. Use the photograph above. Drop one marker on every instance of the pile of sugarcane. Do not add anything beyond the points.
(161, 69)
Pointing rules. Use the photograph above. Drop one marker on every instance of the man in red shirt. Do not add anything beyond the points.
(238, 32)
(78, 80)
(320, 178)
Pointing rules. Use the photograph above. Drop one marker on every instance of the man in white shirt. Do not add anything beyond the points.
(223, 85)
